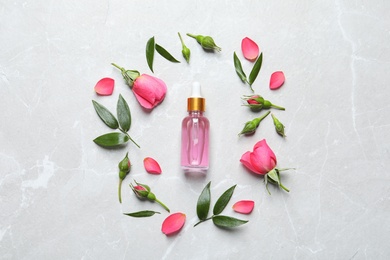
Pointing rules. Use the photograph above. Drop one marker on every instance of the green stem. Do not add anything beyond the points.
(120, 191)
(200, 221)
(191, 35)
(162, 204)
(120, 68)
(264, 116)
(131, 139)
(284, 188)
(182, 42)
(278, 107)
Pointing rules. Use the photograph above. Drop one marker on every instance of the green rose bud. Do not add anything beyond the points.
(124, 169)
(251, 126)
(185, 51)
(142, 191)
(206, 42)
(279, 127)
(257, 103)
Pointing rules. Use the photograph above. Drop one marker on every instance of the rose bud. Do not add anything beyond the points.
(124, 169)
(205, 41)
(142, 191)
(257, 103)
(148, 90)
(262, 161)
(251, 126)
(279, 127)
(185, 51)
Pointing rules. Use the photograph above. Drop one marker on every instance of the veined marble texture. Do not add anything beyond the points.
(58, 189)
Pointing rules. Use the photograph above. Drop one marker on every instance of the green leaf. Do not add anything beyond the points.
(111, 139)
(203, 205)
(223, 200)
(150, 52)
(141, 214)
(228, 222)
(255, 70)
(105, 115)
(238, 66)
(123, 113)
(163, 52)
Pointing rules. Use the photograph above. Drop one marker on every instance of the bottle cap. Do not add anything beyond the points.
(196, 102)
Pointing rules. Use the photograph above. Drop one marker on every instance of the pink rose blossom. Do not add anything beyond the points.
(261, 160)
(149, 91)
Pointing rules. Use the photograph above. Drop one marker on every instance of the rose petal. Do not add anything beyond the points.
(249, 48)
(246, 161)
(105, 86)
(173, 223)
(244, 206)
(277, 80)
(152, 166)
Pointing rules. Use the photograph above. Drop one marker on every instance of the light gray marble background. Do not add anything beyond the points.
(58, 190)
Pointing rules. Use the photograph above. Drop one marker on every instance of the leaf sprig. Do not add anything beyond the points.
(203, 207)
(254, 72)
(122, 122)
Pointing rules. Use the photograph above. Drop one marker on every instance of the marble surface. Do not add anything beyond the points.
(58, 189)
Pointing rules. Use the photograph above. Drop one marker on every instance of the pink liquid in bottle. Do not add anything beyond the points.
(195, 134)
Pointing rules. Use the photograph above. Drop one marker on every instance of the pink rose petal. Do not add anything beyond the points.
(152, 166)
(277, 80)
(104, 87)
(249, 48)
(244, 206)
(173, 223)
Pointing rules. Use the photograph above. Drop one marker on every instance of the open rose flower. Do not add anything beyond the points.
(149, 91)
(262, 161)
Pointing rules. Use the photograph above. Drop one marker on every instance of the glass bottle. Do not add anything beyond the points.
(195, 134)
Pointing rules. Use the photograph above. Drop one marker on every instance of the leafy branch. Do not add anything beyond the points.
(123, 124)
(203, 206)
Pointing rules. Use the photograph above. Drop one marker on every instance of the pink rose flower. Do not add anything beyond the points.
(261, 160)
(149, 91)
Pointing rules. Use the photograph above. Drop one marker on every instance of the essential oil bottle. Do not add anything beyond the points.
(195, 134)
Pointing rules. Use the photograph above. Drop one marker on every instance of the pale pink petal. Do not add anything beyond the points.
(152, 166)
(104, 87)
(246, 161)
(173, 223)
(277, 80)
(244, 206)
(249, 48)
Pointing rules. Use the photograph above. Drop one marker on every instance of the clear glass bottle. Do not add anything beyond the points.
(195, 134)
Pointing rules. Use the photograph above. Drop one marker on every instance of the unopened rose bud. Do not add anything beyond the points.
(185, 51)
(279, 127)
(251, 126)
(142, 191)
(257, 103)
(206, 42)
(124, 169)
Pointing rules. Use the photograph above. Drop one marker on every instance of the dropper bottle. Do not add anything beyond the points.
(195, 134)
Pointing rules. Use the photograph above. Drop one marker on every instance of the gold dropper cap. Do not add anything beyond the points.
(196, 102)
